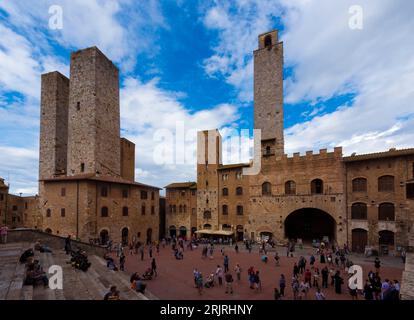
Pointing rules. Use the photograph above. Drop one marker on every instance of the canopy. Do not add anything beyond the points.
(217, 232)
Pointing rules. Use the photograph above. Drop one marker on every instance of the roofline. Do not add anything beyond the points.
(92, 177)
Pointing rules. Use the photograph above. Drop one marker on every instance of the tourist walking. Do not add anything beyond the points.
(236, 248)
(3, 233)
(276, 259)
(325, 276)
(282, 284)
(68, 246)
(141, 251)
(219, 275)
(229, 282)
(122, 262)
(237, 269)
(154, 267)
(338, 281)
(368, 291)
(226, 263)
(257, 281)
(377, 264)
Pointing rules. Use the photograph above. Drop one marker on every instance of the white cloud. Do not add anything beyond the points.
(376, 64)
(148, 111)
(238, 24)
(120, 29)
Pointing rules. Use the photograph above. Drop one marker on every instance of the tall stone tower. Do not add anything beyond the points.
(54, 101)
(208, 160)
(94, 120)
(268, 93)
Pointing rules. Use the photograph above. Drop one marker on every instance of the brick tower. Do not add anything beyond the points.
(53, 141)
(94, 120)
(268, 93)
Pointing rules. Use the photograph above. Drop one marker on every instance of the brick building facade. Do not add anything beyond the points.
(86, 170)
(361, 200)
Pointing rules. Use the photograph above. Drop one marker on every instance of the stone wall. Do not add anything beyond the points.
(53, 241)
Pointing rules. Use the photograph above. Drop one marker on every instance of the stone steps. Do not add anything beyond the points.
(114, 278)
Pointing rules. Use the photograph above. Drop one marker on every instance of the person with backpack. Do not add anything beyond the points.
(229, 282)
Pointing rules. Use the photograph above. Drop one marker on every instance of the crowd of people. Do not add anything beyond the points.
(312, 274)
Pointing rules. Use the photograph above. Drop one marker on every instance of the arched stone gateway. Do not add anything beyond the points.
(173, 231)
(124, 235)
(310, 224)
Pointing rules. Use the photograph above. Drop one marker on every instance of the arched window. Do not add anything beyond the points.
(104, 211)
(290, 187)
(267, 152)
(386, 183)
(359, 185)
(180, 209)
(239, 210)
(207, 226)
(316, 186)
(185, 208)
(125, 211)
(225, 209)
(359, 211)
(104, 192)
(266, 189)
(174, 208)
(386, 212)
(268, 40)
(48, 213)
(226, 226)
(171, 208)
(239, 191)
(225, 192)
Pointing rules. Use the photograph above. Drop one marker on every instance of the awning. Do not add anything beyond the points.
(217, 232)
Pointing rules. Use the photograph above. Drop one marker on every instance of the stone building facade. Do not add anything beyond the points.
(359, 200)
(17, 211)
(181, 209)
(87, 185)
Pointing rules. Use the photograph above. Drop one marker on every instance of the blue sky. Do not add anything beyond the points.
(190, 62)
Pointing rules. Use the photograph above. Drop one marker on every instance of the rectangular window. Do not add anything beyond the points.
(152, 210)
(1, 197)
(144, 195)
(78, 105)
(63, 192)
(62, 212)
(82, 167)
(152, 195)
(143, 210)
(124, 193)
(25, 205)
(410, 190)
(14, 208)
(239, 210)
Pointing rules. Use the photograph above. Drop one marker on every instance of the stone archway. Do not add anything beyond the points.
(125, 236)
(310, 224)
